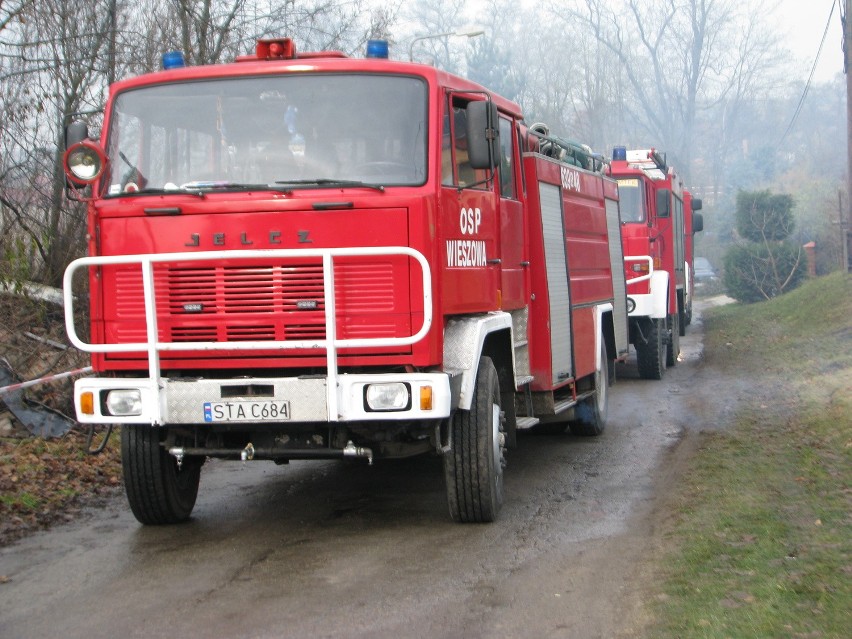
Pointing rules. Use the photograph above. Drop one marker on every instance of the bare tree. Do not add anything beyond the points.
(56, 60)
(206, 27)
(435, 17)
(213, 31)
(11, 9)
(681, 59)
(489, 61)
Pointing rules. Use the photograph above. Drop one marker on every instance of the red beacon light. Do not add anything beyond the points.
(275, 49)
(283, 49)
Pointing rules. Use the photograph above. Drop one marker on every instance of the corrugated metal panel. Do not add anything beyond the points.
(520, 321)
(557, 281)
(616, 258)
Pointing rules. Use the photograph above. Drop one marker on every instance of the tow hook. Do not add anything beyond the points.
(178, 454)
(247, 454)
(351, 450)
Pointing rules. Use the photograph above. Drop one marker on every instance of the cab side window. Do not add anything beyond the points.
(455, 163)
(507, 164)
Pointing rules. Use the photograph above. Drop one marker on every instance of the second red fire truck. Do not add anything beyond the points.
(657, 233)
(312, 256)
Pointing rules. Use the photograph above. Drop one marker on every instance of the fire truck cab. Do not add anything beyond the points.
(312, 256)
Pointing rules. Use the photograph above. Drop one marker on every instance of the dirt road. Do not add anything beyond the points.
(333, 549)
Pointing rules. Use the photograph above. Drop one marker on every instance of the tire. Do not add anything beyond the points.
(473, 468)
(590, 414)
(651, 357)
(158, 492)
(673, 342)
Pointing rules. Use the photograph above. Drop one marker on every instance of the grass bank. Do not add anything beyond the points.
(762, 540)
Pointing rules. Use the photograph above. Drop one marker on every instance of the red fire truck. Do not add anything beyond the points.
(654, 207)
(312, 256)
(693, 223)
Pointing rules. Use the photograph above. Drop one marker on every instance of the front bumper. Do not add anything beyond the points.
(178, 401)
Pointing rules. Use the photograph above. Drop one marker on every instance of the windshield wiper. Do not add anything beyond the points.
(331, 183)
(155, 191)
(211, 185)
(200, 189)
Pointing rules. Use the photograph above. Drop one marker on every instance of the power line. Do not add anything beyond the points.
(810, 77)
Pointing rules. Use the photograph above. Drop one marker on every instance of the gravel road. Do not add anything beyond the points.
(340, 549)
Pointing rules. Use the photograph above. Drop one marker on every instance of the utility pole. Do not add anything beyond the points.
(846, 229)
(111, 43)
(844, 232)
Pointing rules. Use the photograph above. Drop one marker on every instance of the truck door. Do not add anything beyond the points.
(469, 222)
(511, 215)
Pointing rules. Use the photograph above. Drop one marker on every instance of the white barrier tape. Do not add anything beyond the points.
(46, 378)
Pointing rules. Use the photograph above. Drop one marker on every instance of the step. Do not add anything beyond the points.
(561, 407)
(523, 380)
(526, 422)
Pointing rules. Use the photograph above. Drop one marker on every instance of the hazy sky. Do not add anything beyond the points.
(803, 22)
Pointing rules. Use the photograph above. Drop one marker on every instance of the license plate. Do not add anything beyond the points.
(246, 411)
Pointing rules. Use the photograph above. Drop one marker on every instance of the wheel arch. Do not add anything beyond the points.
(606, 329)
(468, 338)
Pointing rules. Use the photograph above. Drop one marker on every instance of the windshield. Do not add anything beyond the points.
(631, 200)
(262, 130)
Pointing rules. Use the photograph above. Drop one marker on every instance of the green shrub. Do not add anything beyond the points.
(756, 272)
(764, 264)
(764, 217)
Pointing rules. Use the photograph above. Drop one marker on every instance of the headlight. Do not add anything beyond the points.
(123, 403)
(84, 162)
(631, 305)
(387, 397)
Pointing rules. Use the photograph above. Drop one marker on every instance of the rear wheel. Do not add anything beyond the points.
(651, 357)
(158, 491)
(473, 469)
(590, 414)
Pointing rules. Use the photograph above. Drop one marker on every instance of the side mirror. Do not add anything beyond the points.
(697, 222)
(76, 132)
(664, 198)
(696, 204)
(482, 140)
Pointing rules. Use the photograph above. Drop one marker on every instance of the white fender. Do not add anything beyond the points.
(687, 296)
(659, 294)
(464, 338)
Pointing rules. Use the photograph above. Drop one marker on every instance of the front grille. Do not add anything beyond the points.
(258, 301)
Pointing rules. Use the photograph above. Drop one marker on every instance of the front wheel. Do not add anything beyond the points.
(158, 491)
(651, 356)
(673, 345)
(473, 468)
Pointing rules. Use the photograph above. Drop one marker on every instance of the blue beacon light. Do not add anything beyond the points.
(377, 49)
(619, 153)
(173, 60)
